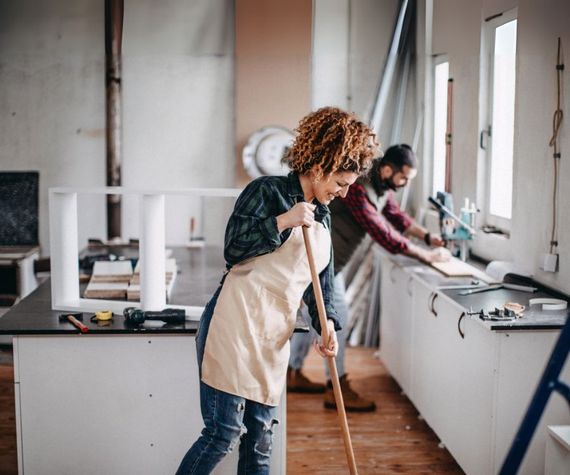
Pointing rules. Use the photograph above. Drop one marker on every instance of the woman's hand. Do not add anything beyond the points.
(302, 214)
(331, 349)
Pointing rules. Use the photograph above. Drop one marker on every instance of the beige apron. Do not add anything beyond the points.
(247, 347)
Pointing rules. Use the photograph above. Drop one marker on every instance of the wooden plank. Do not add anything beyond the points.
(454, 268)
(106, 290)
(112, 271)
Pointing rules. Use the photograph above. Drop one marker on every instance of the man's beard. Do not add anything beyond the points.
(382, 186)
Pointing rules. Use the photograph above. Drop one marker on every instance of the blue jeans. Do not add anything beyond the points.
(301, 342)
(227, 419)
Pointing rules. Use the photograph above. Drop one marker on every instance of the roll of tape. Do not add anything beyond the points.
(103, 315)
(549, 304)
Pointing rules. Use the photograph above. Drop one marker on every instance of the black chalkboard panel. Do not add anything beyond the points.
(19, 208)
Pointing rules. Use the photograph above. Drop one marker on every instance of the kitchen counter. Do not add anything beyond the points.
(470, 379)
(534, 318)
(200, 271)
(117, 399)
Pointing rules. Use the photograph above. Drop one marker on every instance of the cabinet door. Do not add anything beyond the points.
(465, 387)
(453, 377)
(426, 355)
(395, 322)
(522, 358)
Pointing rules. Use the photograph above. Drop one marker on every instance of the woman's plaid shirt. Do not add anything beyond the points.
(252, 231)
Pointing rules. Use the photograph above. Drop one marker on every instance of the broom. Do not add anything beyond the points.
(330, 360)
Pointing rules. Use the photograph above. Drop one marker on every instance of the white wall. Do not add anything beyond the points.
(456, 32)
(330, 54)
(177, 99)
(351, 39)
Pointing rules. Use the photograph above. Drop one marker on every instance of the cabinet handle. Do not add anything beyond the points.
(408, 286)
(459, 325)
(433, 296)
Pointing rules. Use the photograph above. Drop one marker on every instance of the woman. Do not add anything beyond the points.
(243, 339)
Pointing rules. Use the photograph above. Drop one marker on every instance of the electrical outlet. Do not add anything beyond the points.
(549, 263)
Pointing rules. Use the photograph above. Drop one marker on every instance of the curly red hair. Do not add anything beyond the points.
(331, 140)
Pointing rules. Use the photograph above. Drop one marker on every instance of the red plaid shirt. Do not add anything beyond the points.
(369, 218)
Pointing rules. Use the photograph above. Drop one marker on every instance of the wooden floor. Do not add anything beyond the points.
(390, 440)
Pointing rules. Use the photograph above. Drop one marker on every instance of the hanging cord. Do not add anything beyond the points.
(556, 123)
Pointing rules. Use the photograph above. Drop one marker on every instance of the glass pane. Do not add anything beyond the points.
(439, 125)
(503, 121)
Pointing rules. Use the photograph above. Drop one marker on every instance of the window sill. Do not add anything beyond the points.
(492, 246)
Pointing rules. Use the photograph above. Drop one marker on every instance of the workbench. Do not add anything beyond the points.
(116, 400)
(471, 380)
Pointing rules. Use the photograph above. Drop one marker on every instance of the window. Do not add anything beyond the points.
(500, 53)
(441, 77)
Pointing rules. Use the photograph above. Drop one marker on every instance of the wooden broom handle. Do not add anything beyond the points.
(330, 360)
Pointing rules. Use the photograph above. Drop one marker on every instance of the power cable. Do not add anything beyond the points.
(556, 123)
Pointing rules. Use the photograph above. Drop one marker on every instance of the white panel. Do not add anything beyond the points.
(330, 53)
(112, 404)
(152, 253)
(523, 356)
(63, 232)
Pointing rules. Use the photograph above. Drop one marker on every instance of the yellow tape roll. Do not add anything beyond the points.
(103, 315)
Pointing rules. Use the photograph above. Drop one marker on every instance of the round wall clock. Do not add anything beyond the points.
(264, 151)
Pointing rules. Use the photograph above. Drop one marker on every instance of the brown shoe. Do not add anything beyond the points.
(352, 401)
(297, 382)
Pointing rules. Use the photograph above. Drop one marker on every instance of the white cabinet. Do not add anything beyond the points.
(472, 385)
(453, 377)
(396, 335)
(117, 404)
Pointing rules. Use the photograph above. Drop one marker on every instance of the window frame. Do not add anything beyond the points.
(489, 28)
(438, 60)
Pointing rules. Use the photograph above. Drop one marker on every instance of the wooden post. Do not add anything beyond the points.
(113, 46)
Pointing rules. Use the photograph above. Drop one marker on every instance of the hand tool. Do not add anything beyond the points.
(73, 319)
(497, 315)
(445, 209)
(102, 318)
(136, 316)
(103, 315)
(330, 360)
(522, 288)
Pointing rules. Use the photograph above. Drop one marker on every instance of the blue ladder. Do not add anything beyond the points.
(549, 382)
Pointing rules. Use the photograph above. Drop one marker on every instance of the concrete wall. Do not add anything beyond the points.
(179, 90)
(457, 33)
(177, 100)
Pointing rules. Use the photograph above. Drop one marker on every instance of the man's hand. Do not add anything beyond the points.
(331, 349)
(436, 241)
(302, 214)
(439, 254)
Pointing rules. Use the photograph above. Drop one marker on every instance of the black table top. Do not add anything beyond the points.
(199, 273)
(534, 318)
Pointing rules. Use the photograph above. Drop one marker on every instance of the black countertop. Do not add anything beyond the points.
(534, 318)
(199, 273)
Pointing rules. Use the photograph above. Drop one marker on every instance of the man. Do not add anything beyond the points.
(367, 207)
